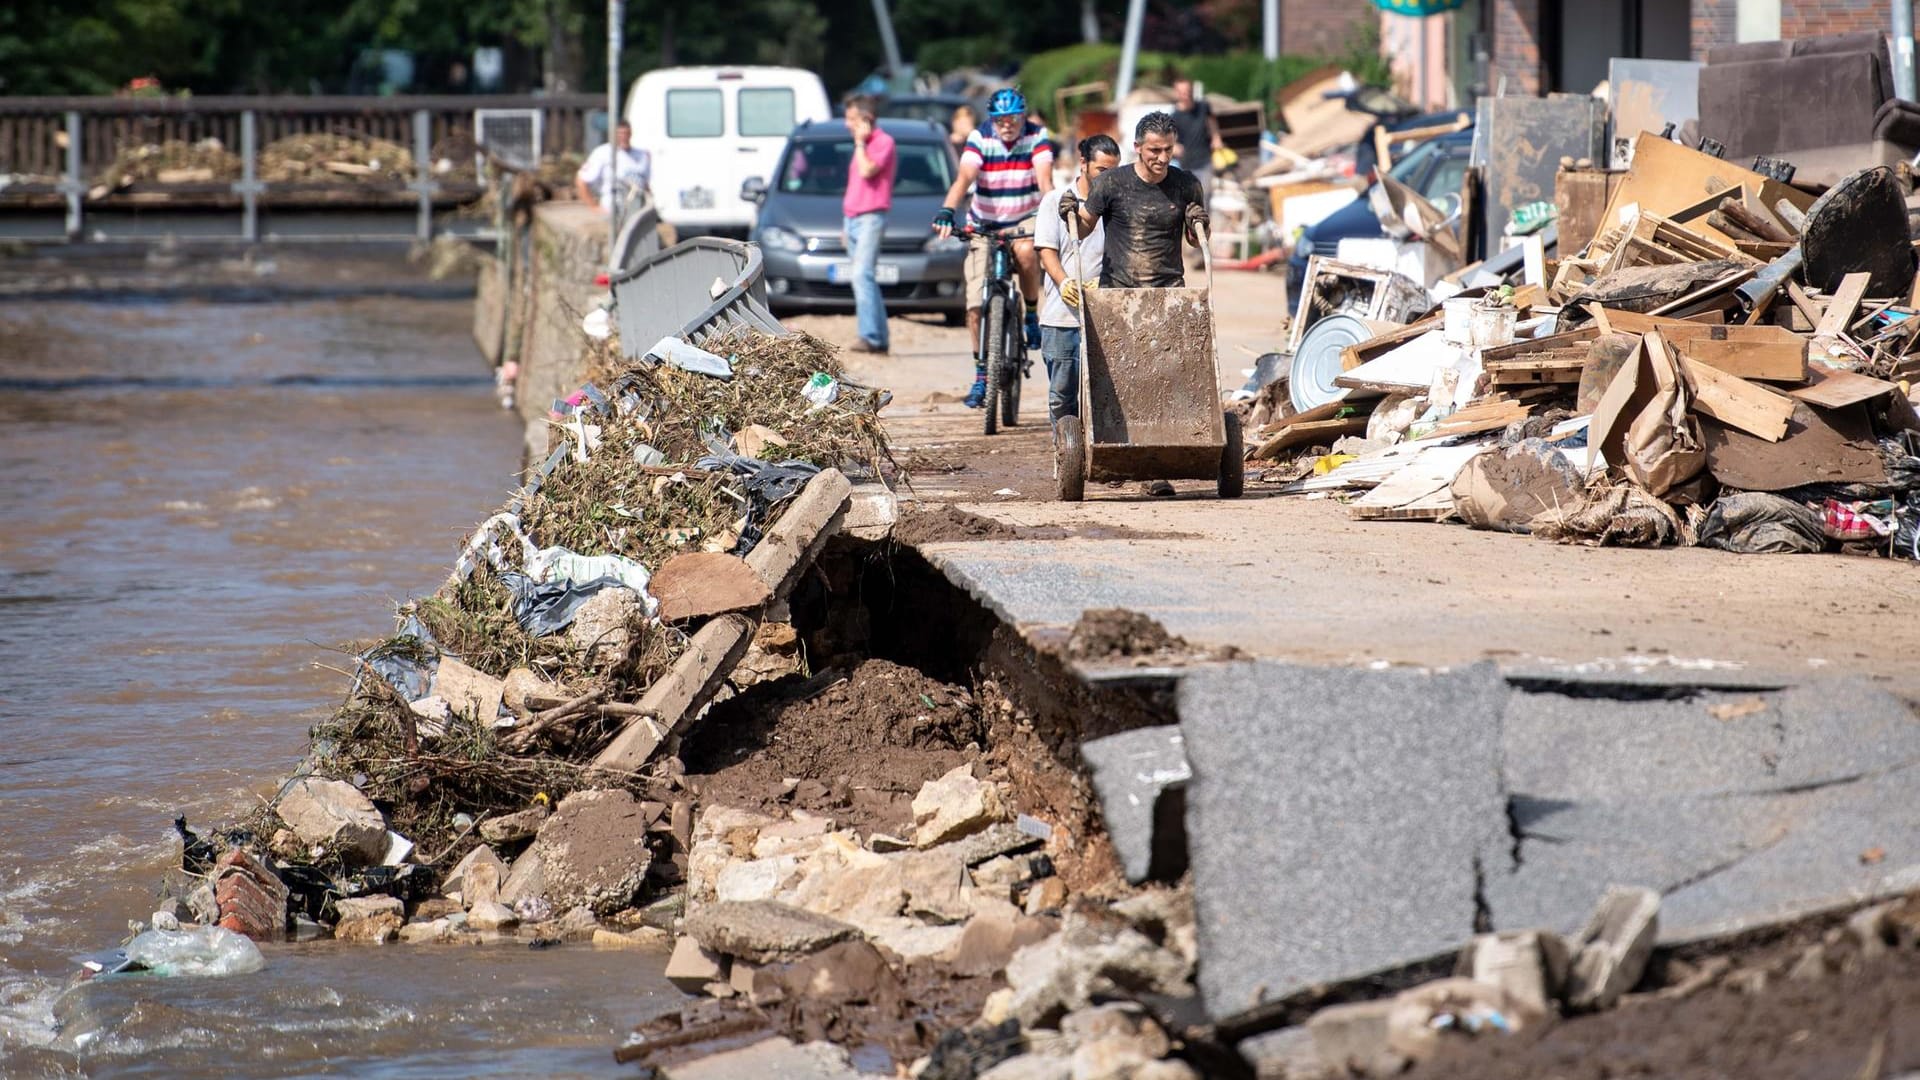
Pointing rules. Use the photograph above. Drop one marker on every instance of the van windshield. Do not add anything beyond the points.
(820, 166)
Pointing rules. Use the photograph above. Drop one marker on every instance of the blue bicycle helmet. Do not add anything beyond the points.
(1008, 102)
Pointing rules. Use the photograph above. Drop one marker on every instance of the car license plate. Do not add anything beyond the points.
(696, 198)
(841, 273)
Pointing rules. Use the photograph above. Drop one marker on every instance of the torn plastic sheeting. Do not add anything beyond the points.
(676, 353)
(559, 564)
(1758, 523)
(548, 607)
(204, 950)
(408, 677)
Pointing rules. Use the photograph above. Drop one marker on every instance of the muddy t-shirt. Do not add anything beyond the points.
(1144, 223)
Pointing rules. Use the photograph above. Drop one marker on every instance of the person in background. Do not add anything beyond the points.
(1009, 167)
(869, 197)
(965, 120)
(629, 166)
(1196, 135)
(1072, 266)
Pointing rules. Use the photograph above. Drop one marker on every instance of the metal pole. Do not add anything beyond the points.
(1903, 87)
(1270, 29)
(423, 166)
(888, 42)
(249, 185)
(74, 187)
(616, 31)
(1130, 50)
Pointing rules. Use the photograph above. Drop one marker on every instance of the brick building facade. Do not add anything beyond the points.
(1546, 45)
(1322, 27)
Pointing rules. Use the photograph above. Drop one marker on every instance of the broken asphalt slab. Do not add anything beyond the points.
(1335, 819)
(1741, 809)
(1346, 823)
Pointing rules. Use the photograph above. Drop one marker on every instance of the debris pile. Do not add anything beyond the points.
(504, 763)
(1727, 362)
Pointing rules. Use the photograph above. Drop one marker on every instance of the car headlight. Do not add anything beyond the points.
(1303, 246)
(780, 239)
(936, 244)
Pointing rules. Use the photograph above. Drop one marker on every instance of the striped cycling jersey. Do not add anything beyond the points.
(1008, 188)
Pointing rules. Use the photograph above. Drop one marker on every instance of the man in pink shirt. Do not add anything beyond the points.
(869, 197)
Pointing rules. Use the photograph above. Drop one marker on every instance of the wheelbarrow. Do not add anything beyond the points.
(1149, 394)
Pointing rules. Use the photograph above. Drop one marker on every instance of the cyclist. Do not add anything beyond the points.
(1009, 164)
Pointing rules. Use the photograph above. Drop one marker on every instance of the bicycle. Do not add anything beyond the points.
(1002, 346)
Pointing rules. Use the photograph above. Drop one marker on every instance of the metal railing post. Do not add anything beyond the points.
(423, 169)
(73, 187)
(249, 187)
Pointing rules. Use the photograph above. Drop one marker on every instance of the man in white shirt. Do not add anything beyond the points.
(630, 168)
(1067, 275)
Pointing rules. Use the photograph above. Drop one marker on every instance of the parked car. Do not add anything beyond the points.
(710, 128)
(799, 227)
(1436, 169)
(934, 108)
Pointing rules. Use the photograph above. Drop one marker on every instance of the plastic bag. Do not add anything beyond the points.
(204, 950)
(822, 389)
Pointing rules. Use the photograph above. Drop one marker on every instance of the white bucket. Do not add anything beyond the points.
(1492, 325)
(1457, 320)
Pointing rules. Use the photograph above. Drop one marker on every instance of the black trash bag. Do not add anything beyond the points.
(1905, 542)
(767, 484)
(409, 882)
(1758, 523)
(309, 889)
(548, 607)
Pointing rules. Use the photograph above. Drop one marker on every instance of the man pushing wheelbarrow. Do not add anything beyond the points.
(1148, 396)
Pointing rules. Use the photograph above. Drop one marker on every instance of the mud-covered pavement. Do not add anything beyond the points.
(1294, 578)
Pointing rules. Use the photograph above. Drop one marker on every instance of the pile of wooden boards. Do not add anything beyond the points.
(1698, 346)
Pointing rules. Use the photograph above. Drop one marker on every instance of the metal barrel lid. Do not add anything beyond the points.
(1316, 363)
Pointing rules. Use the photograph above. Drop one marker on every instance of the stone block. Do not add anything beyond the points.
(1353, 1038)
(1613, 948)
(335, 814)
(593, 851)
(372, 919)
(764, 931)
(510, 828)
(1335, 820)
(692, 967)
(954, 806)
(1141, 779)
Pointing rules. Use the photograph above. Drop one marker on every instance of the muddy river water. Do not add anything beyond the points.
(200, 501)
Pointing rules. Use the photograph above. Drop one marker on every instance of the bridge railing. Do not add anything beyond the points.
(54, 152)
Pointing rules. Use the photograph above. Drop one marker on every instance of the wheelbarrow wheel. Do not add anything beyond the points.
(1069, 459)
(996, 328)
(1233, 460)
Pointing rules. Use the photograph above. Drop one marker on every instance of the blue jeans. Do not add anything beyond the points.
(863, 239)
(1060, 348)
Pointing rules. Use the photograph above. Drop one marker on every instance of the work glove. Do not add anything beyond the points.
(1069, 204)
(943, 220)
(1071, 290)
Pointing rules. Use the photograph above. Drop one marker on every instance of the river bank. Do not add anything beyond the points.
(206, 499)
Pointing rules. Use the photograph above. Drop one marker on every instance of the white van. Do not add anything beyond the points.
(710, 129)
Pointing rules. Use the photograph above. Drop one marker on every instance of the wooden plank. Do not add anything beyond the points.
(1354, 355)
(1750, 352)
(1832, 389)
(1312, 433)
(1616, 321)
(780, 560)
(1839, 314)
(1735, 401)
(1420, 490)
(1527, 346)
(1811, 310)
